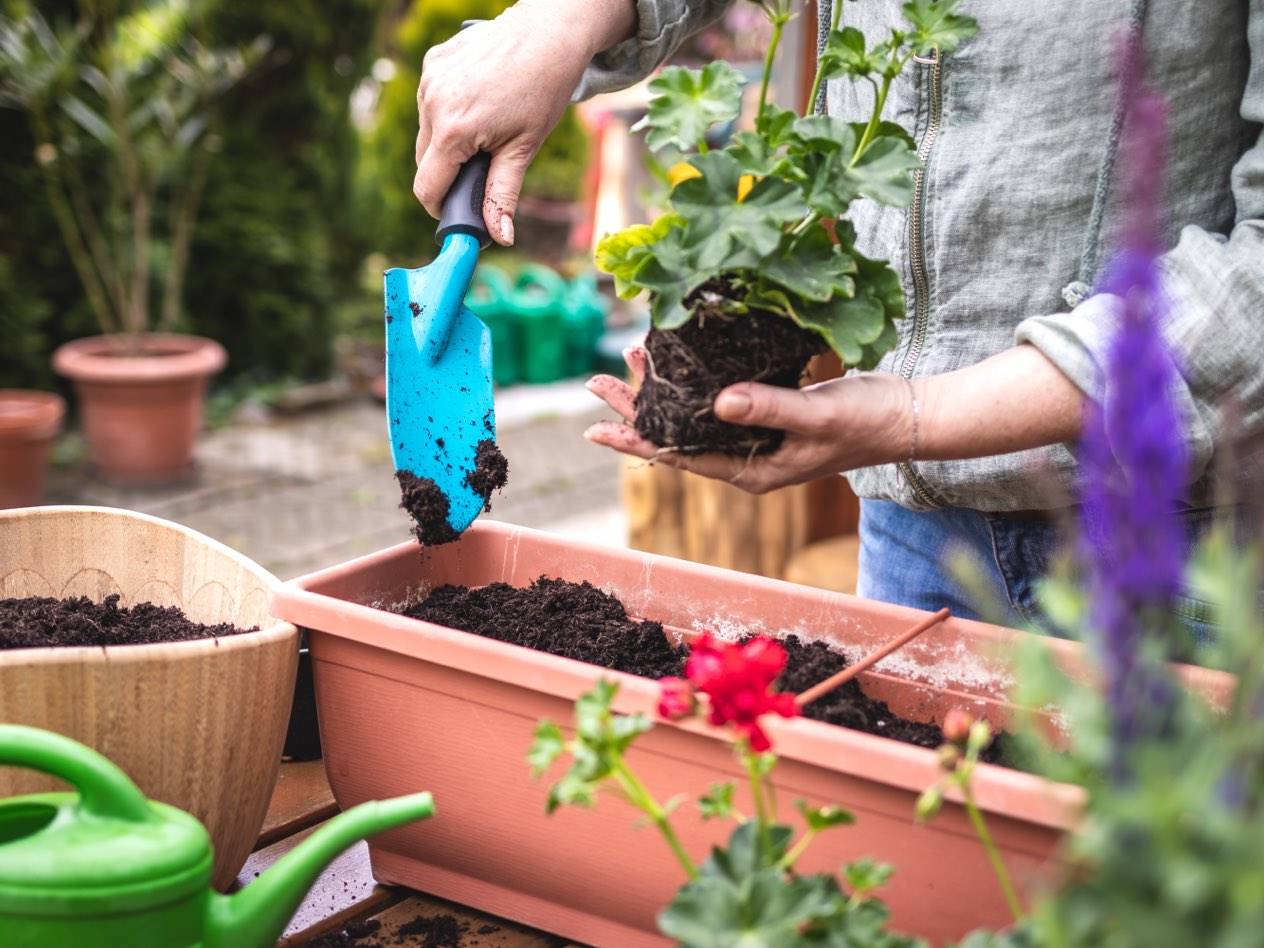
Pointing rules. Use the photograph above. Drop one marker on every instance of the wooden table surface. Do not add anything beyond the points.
(346, 899)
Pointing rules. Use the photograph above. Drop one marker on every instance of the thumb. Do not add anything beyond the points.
(770, 406)
(500, 201)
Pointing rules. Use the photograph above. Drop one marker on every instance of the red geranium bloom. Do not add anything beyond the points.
(738, 678)
(676, 700)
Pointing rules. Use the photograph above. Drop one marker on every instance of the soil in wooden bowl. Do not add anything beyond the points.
(579, 621)
(428, 505)
(39, 622)
(689, 366)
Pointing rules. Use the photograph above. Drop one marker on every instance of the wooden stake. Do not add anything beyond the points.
(851, 671)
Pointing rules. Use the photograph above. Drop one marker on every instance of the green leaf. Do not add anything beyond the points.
(884, 171)
(755, 155)
(765, 910)
(776, 125)
(862, 924)
(845, 55)
(865, 875)
(937, 25)
(854, 327)
(687, 102)
(546, 747)
(722, 231)
(717, 803)
(625, 253)
(749, 851)
(813, 266)
(823, 817)
(88, 120)
(823, 133)
(571, 790)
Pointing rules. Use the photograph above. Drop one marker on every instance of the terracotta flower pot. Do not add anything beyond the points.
(29, 423)
(141, 412)
(403, 704)
(196, 724)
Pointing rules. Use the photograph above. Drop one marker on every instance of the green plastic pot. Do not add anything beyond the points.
(584, 311)
(538, 300)
(104, 867)
(489, 299)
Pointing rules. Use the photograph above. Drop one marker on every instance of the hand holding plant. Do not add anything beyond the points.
(746, 892)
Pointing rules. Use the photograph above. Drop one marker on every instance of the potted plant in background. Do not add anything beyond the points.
(29, 421)
(122, 112)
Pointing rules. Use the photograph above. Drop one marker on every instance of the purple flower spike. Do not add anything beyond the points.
(1133, 459)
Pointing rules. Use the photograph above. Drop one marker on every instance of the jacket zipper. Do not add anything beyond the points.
(917, 258)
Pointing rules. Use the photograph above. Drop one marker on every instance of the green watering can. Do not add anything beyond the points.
(106, 867)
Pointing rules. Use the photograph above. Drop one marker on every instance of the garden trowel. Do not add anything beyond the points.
(439, 355)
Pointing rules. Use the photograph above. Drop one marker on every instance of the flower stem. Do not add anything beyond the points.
(798, 849)
(778, 26)
(640, 797)
(879, 101)
(836, 19)
(994, 854)
(757, 794)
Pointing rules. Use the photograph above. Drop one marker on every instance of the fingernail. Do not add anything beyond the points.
(733, 404)
(506, 229)
(589, 432)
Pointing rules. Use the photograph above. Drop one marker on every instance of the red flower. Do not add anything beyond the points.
(737, 678)
(676, 700)
(957, 724)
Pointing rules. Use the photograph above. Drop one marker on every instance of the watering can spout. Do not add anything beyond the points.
(258, 913)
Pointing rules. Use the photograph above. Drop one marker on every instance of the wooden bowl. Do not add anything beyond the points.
(199, 725)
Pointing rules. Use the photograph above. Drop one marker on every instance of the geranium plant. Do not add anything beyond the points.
(746, 892)
(755, 247)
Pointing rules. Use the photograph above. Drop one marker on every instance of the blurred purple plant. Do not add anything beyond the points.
(1133, 459)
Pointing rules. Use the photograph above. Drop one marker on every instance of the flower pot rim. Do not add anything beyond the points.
(883, 760)
(95, 359)
(30, 415)
(192, 649)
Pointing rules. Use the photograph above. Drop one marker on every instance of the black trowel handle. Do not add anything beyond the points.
(463, 206)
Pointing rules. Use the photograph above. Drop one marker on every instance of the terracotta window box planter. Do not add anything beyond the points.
(405, 704)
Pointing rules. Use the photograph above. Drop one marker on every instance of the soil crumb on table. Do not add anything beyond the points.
(427, 504)
(421, 931)
(573, 620)
(39, 622)
(491, 471)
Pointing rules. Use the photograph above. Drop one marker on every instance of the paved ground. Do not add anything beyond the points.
(302, 492)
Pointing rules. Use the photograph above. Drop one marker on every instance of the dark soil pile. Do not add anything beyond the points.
(578, 620)
(848, 706)
(491, 471)
(40, 622)
(689, 367)
(428, 505)
(574, 620)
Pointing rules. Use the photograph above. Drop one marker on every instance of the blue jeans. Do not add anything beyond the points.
(903, 560)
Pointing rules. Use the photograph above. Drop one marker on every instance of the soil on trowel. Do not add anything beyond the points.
(428, 505)
(39, 622)
(579, 621)
(689, 366)
(491, 471)
(573, 620)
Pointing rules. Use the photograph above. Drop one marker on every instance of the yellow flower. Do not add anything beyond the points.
(744, 185)
(682, 171)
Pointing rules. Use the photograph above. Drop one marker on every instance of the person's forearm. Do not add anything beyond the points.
(595, 24)
(1011, 402)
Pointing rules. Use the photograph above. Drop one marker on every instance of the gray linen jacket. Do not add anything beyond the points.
(998, 249)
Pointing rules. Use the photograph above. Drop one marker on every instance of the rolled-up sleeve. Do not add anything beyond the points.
(1215, 324)
(662, 25)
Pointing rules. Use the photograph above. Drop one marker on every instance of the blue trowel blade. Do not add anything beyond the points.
(439, 376)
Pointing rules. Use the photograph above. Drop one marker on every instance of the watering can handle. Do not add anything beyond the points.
(104, 790)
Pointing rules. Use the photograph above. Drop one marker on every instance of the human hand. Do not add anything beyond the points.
(500, 87)
(830, 427)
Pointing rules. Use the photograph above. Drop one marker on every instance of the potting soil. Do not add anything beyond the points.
(428, 505)
(421, 931)
(689, 366)
(39, 622)
(579, 621)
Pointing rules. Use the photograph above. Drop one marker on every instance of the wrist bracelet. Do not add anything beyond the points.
(917, 411)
